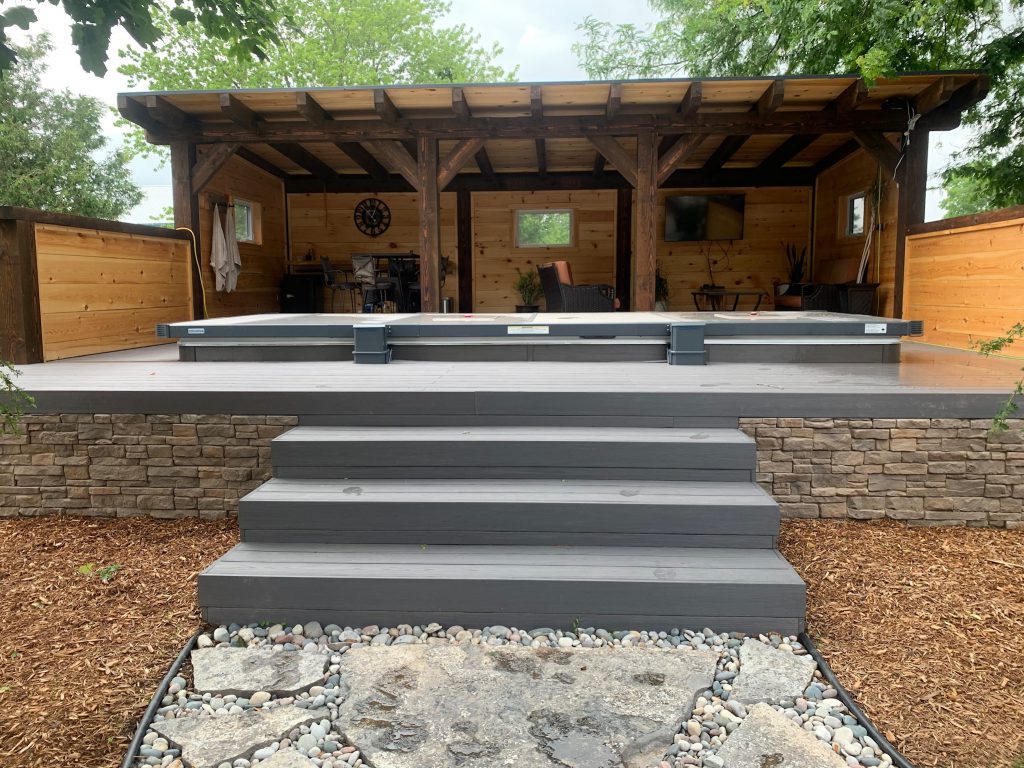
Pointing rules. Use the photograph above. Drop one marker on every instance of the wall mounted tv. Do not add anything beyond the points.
(704, 217)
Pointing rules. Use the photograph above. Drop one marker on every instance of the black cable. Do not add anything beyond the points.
(154, 703)
(826, 671)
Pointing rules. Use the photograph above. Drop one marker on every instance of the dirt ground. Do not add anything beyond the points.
(926, 626)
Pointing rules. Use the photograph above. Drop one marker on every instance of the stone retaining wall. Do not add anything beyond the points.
(925, 471)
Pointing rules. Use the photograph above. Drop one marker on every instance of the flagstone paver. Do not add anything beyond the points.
(243, 671)
(770, 675)
(287, 758)
(766, 739)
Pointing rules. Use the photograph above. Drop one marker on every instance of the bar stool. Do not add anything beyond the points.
(375, 289)
(339, 286)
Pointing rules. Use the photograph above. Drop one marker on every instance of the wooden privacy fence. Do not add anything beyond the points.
(965, 277)
(71, 285)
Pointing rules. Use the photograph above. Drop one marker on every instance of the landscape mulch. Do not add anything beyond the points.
(924, 625)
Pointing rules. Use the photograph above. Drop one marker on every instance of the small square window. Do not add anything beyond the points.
(247, 221)
(855, 215)
(544, 229)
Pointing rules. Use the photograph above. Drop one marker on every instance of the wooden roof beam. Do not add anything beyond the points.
(948, 116)
(210, 163)
(361, 157)
(692, 100)
(729, 147)
(135, 112)
(614, 101)
(855, 94)
(449, 168)
(385, 107)
(536, 102)
(677, 154)
(617, 155)
(305, 159)
(787, 150)
(310, 109)
(161, 110)
(398, 157)
(833, 157)
(599, 163)
(460, 107)
(483, 162)
(260, 162)
(879, 148)
(542, 156)
(772, 98)
(935, 95)
(239, 113)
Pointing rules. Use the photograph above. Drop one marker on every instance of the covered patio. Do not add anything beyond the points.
(458, 165)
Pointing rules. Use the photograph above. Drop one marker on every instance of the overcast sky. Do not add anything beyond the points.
(536, 35)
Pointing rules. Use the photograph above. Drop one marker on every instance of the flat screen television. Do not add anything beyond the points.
(704, 217)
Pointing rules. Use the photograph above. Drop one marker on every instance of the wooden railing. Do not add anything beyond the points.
(71, 285)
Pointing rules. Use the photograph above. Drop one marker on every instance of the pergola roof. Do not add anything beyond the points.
(792, 127)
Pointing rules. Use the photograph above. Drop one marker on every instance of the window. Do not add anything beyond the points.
(855, 215)
(247, 221)
(544, 229)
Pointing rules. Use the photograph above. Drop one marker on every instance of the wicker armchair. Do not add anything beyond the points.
(562, 295)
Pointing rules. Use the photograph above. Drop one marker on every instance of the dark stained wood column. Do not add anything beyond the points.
(912, 191)
(464, 248)
(21, 333)
(186, 212)
(624, 247)
(430, 225)
(645, 258)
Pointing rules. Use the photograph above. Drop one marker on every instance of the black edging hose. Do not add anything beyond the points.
(154, 703)
(843, 695)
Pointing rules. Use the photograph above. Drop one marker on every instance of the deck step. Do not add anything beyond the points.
(613, 453)
(656, 513)
(748, 590)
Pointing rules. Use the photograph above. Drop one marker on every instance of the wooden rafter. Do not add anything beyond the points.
(677, 154)
(833, 157)
(772, 98)
(449, 168)
(617, 155)
(134, 112)
(483, 162)
(879, 148)
(161, 110)
(385, 107)
(787, 150)
(729, 147)
(614, 101)
(460, 107)
(536, 102)
(542, 156)
(599, 163)
(305, 159)
(935, 95)
(209, 164)
(361, 157)
(948, 115)
(260, 162)
(398, 157)
(692, 100)
(855, 94)
(310, 109)
(239, 113)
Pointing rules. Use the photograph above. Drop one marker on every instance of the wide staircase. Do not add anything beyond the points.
(534, 526)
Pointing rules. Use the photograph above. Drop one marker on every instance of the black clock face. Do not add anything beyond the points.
(372, 216)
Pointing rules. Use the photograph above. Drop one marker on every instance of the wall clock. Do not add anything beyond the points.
(372, 216)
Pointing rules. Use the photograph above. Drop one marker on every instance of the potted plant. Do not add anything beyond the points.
(796, 264)
(660, 292)
(527, 285)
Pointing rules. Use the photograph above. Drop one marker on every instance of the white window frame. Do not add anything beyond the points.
(519, 212)
(253, 214)
(848, 220)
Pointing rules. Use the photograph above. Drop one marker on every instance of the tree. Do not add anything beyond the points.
(50, 145)
(245, 26)
(329, 42)
(870, 37)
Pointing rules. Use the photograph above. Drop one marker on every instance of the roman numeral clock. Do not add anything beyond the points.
(372, 216)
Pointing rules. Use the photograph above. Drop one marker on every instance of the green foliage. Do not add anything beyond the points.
(660, 286)
(51, 144)
(104, 573)
(796, 262)
(527, 285)
(13, 400)
(544, 228)
(244, 27)
(1000, 422)
(873, 38)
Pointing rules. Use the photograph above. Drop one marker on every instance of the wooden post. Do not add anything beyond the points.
(464, 248)
(186, 213)
(645, 258)
(623, 246)
(21, 334)
(913, 188)
(430, 229)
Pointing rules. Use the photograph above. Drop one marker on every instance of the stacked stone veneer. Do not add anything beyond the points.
(177, 465)
(926, 471)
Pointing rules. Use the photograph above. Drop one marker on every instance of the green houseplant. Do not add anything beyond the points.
(796, 263)
(660, 291)
(527, 285)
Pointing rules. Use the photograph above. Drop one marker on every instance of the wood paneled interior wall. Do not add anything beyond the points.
(496, 258)
(836, 255)
(324, 223)
(263, 265)
(104, 291)
(967, 284)
(772, 216)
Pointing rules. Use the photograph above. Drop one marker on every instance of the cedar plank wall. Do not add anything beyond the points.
(967, 284)
(324, 222)
(495, 257)
(836, 256)
(262, 265)
(104, 291)
(772, 216)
